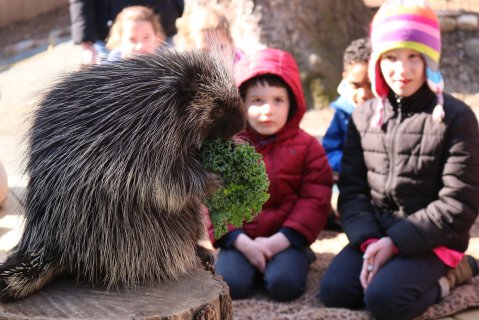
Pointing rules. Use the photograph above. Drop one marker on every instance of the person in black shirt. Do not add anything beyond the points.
(91, 21)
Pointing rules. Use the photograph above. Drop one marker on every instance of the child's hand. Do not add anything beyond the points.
(88, 54)
(275, 243)
(375, 256)
(256, 253)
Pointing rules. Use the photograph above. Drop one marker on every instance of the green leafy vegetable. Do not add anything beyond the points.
(244, 178)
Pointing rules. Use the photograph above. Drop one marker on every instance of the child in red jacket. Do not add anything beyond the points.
(273, 248)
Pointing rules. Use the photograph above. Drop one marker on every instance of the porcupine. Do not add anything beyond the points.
(115, 180)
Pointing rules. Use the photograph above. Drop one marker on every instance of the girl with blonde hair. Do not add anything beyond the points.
(136, 31)
(208, 29)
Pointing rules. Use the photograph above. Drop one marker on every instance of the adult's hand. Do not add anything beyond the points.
(256, 253)
(375, 256)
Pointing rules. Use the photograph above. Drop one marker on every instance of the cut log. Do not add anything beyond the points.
(200, 295)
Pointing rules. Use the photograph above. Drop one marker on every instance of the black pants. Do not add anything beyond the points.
(402, 289)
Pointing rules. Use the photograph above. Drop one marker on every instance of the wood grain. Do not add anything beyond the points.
(200, 295)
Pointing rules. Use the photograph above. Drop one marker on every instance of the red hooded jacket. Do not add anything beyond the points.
(296, 164)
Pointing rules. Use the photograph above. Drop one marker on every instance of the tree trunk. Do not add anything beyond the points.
(200, 295)
(316, 32)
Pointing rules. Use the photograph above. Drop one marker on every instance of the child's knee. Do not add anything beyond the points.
(384, 305)
(237, 272)
(336, 291)
(330, 293)
(239, 288)
(284, 288)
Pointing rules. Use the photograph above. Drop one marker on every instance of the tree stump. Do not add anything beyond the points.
(200, 295)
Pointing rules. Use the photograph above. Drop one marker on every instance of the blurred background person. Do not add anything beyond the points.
(206, 28)
(136, 31)
(354, 89)
(91, 21)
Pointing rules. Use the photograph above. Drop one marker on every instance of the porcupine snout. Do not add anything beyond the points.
(233, 118)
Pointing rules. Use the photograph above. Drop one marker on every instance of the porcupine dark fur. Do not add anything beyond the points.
(115, 181)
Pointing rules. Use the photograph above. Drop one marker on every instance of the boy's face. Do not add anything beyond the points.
(356, 77)
(267, 108)
(138, 37)
(403, 70)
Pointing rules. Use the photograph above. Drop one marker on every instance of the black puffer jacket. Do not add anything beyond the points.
(414, 179)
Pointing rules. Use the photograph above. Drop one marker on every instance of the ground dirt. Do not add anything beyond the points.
(36, 28)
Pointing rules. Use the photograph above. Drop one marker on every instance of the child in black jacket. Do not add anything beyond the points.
(409, 186)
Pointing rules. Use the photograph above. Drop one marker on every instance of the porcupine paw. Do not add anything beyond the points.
(5, 292)
(22, 276)
(207, 258)
(215, 182)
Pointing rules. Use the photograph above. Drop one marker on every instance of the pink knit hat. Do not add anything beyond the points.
(406, 24)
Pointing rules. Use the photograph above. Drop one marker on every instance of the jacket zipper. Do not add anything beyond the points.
(394, 135)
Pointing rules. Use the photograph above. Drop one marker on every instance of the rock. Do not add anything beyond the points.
(309, 29)
(447, 24)
(468, 22)
(315, 62)
(13, 49)
(472, 48)
(55, 35)
(59, 33)
(464, 77)
(449, 13)
(322, 28)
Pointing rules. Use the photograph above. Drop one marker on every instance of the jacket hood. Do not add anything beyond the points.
(343, 104)
(281, 64)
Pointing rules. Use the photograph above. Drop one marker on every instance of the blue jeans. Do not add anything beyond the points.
(402, 289)
(284, 276)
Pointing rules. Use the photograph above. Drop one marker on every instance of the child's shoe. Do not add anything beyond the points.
(462, 273)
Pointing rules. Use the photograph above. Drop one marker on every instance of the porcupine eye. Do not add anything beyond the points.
(218, 112)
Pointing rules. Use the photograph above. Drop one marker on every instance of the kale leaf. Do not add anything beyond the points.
(244, 179)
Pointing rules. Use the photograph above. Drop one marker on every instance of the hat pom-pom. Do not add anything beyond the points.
(438, 113)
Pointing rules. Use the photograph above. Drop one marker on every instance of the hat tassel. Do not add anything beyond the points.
(377, 119)
(438, 113)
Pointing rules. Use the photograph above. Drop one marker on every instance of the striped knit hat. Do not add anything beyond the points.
(406, 24)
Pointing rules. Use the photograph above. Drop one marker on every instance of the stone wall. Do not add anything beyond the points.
(454, 20)
(19, 10)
